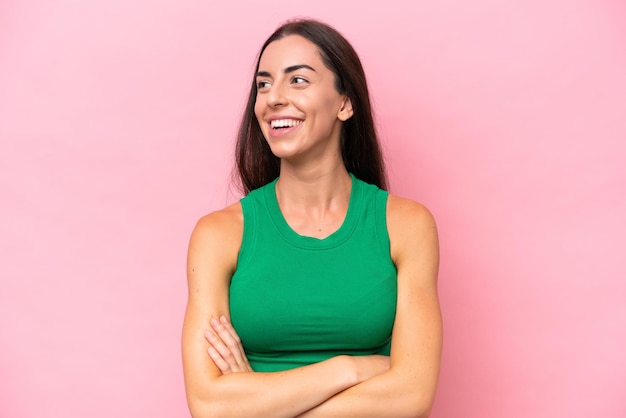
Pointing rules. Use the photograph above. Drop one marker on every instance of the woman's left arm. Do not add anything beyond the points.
(408, 388)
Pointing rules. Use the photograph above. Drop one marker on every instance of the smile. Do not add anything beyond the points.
(284, 123)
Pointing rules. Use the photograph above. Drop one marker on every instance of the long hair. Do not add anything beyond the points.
(360, 148)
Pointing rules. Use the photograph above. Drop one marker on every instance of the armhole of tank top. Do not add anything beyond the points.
(247, 237)
(382, 231)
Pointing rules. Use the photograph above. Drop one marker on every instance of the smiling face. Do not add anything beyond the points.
(298, 108)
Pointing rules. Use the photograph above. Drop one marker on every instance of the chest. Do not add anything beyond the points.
(323, 300)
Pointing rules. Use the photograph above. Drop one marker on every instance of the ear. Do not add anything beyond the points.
(346, 111)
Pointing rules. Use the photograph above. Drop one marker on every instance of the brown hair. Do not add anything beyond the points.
(360, 148)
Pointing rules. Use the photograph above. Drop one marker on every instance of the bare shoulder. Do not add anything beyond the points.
(221, 224)
(224, 221)
(412, 229)
(216, 239)
(408, 215)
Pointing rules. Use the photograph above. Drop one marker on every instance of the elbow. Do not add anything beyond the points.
(198, 408)
(415, 411)
(414, 404)
(203, 407)
(420, 407)
(213, 407)
(422, 412)
(203, 400)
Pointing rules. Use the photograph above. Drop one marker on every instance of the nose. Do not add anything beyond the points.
(276, 96)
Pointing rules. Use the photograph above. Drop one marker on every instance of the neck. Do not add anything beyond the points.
(314, 187)
(314, 203)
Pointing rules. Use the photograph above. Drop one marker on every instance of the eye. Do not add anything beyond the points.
(262, 84)
(299, 80)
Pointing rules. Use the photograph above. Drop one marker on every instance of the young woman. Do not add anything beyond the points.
(316, 294)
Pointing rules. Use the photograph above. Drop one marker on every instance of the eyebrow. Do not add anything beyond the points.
(287, 70)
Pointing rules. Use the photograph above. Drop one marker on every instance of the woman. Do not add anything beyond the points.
(316, 294)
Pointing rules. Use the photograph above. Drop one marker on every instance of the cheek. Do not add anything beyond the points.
(329, 104)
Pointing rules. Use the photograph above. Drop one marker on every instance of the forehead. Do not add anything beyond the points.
(290, 50)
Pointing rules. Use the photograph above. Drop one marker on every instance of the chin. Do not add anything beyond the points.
(282, 150)
(281, 153)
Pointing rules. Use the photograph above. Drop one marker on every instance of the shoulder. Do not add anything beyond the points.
(216, 238)
(224, 220)
(220, 224)
(403, 213)
(411, 226)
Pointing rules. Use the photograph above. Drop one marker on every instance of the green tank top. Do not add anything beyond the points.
(297, 300)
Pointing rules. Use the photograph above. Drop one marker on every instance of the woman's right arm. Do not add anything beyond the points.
(212, 257)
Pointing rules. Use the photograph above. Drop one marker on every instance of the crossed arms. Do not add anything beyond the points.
(219, 382)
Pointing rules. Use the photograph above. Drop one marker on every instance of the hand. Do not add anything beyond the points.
(225, 347)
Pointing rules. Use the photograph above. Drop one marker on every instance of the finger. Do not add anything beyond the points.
(229, 327)
(232, 343)
(223, 356)
(231, 330)
(229, 349)
(222, 350)
(229, 345)
(219, 361)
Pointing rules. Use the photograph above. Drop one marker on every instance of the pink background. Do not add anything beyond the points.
(506, 118)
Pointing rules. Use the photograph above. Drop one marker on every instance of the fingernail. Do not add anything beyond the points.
(223, 319)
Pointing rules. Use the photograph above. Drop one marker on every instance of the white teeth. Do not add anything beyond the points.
(285, 123)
